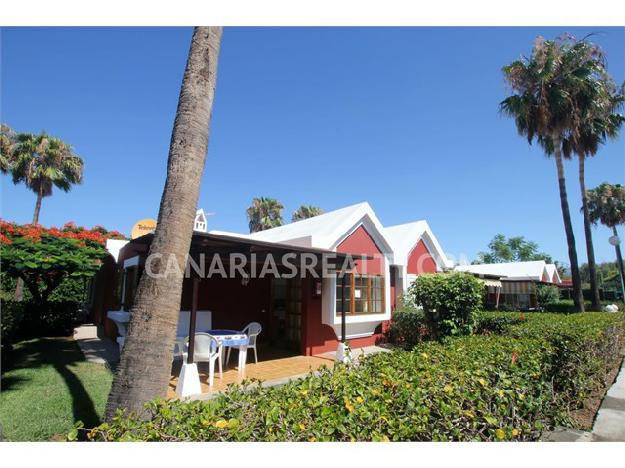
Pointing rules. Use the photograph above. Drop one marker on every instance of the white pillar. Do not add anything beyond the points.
(188, 380)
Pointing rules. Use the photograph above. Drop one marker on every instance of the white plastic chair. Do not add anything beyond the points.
(252, 330)
(207, 349)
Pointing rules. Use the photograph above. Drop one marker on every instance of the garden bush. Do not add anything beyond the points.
(27, 319)
(497, 387)
(547, 294)
(450, 302)
(407, 327)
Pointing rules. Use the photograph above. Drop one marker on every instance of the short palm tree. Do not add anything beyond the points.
(42, 162)
(547, 94)
(305, 212)
(606, 204)
(264, 213)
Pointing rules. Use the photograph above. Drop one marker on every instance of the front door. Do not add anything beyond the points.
(287, 311)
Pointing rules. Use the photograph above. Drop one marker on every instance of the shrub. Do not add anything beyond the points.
(509, 387)
(565, 306)
(407, 327)
(450, 302)
(24, 320)
(547, 294)
(488, 323)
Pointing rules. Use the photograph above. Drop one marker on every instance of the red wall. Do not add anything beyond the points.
(361, 242)
(232, 305)
(320, 338)
(420, 261)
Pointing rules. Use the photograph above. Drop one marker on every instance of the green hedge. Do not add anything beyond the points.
(509, 386)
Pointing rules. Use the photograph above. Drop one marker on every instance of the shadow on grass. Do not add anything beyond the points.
(60, 353)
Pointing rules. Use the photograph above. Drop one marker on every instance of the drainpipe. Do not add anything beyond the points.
(343, 309)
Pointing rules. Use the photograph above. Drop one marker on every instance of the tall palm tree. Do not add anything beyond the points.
(545, 106)
(42, 162)
(144, 370)
(305, 212)
(606, 204)
(601, 122)
(264, 213)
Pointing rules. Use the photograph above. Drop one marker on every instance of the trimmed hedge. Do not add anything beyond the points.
(511, 386)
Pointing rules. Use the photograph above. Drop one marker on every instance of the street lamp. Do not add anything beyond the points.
(616, 242)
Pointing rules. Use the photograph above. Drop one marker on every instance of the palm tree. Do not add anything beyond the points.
(7, 140)
(600, 123)
(264, 213)
(305, 212)
(42, 162)
(606, 204)
(145, 365)
(548, 87)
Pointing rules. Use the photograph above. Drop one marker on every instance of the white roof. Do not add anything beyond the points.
(327, 230)
(552, 271)
(404, 237)
(114, 246)
(515, 270)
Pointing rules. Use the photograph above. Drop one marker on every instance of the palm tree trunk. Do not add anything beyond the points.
(18, 294)
(619, 260)
(145, 364)
(37, 207)
(578, 298)
(590, 251)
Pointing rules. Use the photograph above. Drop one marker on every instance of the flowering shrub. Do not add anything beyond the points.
(495, 387)
(44, 258)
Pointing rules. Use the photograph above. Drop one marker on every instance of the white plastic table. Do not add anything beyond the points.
(226, 338)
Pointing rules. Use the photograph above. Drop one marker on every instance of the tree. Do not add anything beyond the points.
(549, 91)
(143, 376)
(512, 249)
(606, 204)
(7, 140)
(44, 258)
(305, 212)
(42, 162)
(599, 121)
(264, 213)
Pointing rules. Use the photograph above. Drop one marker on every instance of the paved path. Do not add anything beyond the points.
(96, 349)
(610, 421)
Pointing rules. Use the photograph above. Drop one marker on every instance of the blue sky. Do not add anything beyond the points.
(404, 118)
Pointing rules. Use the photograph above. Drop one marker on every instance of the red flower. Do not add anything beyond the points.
(515, 356)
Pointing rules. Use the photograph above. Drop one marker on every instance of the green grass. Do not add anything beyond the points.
(47, 387)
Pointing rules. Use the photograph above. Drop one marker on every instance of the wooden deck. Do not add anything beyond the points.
(272, 365)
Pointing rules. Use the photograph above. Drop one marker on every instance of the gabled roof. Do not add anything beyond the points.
(514, 270)
(114, 246)
(404, 237)
(327, 230)
(552, 271)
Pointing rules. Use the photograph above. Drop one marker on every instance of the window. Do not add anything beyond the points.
(360, 294)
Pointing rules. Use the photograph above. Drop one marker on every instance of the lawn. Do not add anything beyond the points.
(47, 387)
